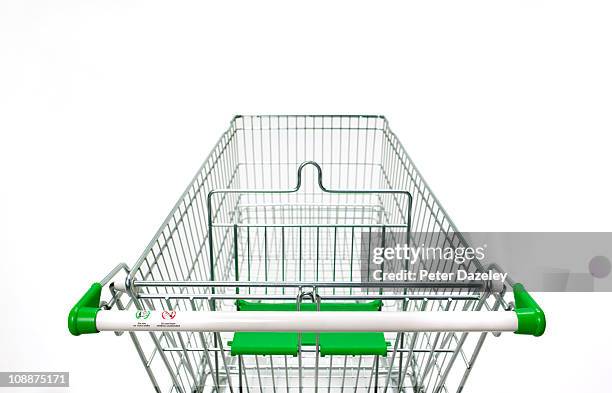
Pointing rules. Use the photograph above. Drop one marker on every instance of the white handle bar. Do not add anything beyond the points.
(293, 321)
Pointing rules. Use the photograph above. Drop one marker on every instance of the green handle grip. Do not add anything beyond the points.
(531, 319)
(82, 317)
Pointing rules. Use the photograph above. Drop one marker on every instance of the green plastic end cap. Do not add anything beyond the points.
(531, 319)
(82, 317)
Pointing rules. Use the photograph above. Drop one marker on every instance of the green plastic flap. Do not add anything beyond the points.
(264, 343)
(531, 319)
(286, 343)
(353, 343)
(244, 305)
(82, 317)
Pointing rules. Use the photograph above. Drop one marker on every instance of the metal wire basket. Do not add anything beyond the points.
(275, 224)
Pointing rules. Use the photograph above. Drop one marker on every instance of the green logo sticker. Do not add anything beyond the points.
(143, 314)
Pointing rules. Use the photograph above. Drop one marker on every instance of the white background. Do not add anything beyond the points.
(107, 109)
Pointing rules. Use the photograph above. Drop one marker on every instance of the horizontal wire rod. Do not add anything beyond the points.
(298, 284)
(292, 298)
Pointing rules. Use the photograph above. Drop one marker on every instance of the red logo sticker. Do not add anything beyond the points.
(168, 314)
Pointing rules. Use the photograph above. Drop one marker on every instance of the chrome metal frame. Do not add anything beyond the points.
(243, 230)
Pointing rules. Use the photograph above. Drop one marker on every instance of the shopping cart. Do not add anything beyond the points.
(255, 280)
